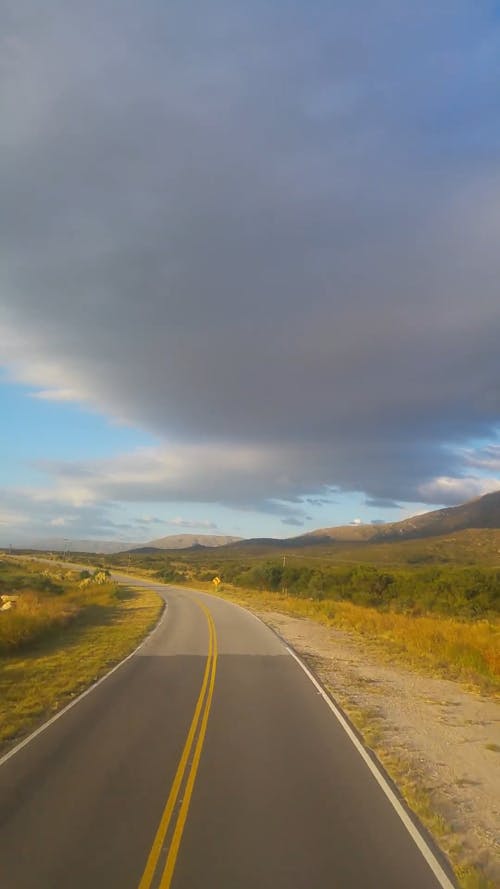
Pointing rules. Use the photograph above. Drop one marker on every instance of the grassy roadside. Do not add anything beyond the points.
(450, 648)
(422, 798)
(60, 640)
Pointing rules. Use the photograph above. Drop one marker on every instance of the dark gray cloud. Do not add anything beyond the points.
(382, 503)
(258, 227)
(270, 477)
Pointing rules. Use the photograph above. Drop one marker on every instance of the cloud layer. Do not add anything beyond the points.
(267, 233)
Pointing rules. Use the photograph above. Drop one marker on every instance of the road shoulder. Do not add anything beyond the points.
(436, 740)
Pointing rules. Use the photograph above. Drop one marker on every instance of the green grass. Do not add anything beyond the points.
(69, 643)
(456, 575)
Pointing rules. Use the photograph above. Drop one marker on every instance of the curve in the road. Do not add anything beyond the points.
(160, 779)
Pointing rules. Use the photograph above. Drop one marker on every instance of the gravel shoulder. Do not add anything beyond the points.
(439, 742)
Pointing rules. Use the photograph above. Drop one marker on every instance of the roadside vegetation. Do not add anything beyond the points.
(61, 630)
(451, 648)
(433, 604)
(452, 591)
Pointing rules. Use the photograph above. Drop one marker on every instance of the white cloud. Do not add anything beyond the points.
(24, 516)
(212, 473)
(57, 395)
(62, 521)
(267, 478)
(452, 491)
(13, 518)
(486, 459)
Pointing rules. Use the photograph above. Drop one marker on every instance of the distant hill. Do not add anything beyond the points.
(108, 547)
(482, 512)
(184, 541)
(342, 533)
(60, 545)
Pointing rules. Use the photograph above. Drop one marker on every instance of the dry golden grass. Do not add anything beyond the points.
(76, 639)
(469, 650)
(447, 647)
(32, 618)
(442, 646)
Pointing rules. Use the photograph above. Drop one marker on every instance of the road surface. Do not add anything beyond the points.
(208, 759)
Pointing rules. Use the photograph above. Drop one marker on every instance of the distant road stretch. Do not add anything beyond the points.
(208, 760)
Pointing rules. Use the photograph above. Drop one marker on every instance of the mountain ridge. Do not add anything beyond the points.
(185, 541)
(480, 512)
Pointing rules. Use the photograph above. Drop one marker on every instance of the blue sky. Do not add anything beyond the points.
(42, 431)
(249, 265)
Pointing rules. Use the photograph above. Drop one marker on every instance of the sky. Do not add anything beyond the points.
(249, 264)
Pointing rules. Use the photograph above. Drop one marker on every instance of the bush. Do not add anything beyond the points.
(30, 620)
(468, 592)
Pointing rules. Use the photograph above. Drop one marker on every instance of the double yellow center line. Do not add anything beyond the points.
(185, 775)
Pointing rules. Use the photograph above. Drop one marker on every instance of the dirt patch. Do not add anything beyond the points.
(440, 743)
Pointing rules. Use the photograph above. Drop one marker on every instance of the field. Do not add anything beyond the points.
(451, 648)
(433, 603)
(63, 631)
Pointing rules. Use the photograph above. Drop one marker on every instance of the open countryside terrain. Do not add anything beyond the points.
(276, 771)
(405, 633)
(410, 620)
(418, 675)
(62, 631)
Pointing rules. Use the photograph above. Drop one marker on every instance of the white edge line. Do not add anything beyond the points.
(412, 829)
(84, 694)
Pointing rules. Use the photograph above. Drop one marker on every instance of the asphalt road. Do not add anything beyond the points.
(208, 759)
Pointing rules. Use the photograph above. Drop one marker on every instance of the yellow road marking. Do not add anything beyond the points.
(156, 849)
(183, 812)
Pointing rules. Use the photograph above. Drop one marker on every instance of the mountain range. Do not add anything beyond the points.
(482, 512)
(185, 541)
(107, 547)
